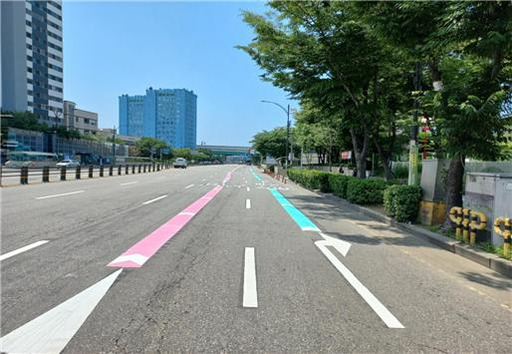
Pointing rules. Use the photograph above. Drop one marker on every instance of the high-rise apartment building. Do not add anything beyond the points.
(166, 114)
(31, 58)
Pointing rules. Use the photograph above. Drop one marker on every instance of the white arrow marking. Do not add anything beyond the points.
(22, 249)
(370, 299)
(136, 258)
(340, 245)
(51, 332)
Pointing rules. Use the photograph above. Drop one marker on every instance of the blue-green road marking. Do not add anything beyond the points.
(300, 219)
(258, 178)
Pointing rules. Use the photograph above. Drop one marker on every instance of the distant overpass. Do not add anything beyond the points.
(230, 153)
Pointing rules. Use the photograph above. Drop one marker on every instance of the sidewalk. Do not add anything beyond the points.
(364, 227)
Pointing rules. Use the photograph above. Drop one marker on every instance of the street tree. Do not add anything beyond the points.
(317, 51)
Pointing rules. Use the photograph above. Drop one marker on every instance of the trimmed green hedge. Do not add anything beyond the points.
(338, 184)
(402, 202)
(311, 179)
(366, 191)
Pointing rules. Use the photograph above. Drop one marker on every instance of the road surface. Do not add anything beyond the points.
(226, 259)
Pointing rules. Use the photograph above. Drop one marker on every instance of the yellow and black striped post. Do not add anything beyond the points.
(465, 225)
(505, 232)
(456, 218)
(478, 222)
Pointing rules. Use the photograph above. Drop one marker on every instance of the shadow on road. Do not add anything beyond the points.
(498, 281)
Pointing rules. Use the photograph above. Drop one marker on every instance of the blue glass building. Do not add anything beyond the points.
(166, 114)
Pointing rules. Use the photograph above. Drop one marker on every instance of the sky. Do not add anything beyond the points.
(114, 48)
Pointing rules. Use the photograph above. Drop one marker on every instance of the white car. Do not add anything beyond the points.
(180, 162)
(68, 163)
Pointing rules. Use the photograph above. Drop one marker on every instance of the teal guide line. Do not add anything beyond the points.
(258, 178)
(300, 219)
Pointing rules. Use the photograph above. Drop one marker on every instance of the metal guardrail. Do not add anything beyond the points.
(24, 173)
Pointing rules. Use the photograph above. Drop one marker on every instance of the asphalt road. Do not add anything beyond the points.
(238, 275)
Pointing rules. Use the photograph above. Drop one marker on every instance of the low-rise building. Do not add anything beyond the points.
(85, 122)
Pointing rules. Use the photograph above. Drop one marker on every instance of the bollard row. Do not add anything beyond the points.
(24, 173)
(467, 223)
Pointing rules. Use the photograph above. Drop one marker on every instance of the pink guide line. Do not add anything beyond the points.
(149, 245)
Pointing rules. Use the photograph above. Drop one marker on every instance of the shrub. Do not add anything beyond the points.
(338, 184)
(312, 179)
(407, 202)
(389, 199)
(402, 202)
(365, 191)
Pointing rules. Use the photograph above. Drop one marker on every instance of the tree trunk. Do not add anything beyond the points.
(360, 153)
(384, 158)
(454, 179)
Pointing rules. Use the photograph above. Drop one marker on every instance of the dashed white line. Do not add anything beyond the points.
(154, 200)
(22, 249)
(128, 183)
(250, 297)
(59, 195)
(247, 204)
(189, 186)
(248, 189)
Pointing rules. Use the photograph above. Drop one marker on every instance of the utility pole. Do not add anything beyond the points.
(287, 111)
(413, 142)
(114, 145)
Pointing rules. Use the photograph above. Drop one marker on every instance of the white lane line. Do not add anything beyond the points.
(59, 195)
(389, 319)
(248, 189)
(154, 200)
(52, 331)
(189, 186)
(128, 183)
(22, 249)
(203, 180)
(247, 204)
(250, 298)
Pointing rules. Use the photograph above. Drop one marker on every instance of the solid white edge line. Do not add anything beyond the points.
(247, 204)
(154, 200)
(59, 195)
(128, 183)
(250, 297)
(386, 316)
(22, 249)
(189, 186)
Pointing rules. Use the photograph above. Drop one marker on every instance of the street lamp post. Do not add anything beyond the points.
(287, 111)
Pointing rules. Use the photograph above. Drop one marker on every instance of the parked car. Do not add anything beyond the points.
(180, 162)
(68, 163)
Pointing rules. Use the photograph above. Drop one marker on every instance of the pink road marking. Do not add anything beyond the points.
(139, 253)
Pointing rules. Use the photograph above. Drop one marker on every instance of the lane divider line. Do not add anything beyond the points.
(300, 219)
(189, 186)
(128, 183)
(59, 195)
(22, 249)
(154, 200)
(247, 204)
(250, 297)
(248, 189)
(52, 331)
(149, 245)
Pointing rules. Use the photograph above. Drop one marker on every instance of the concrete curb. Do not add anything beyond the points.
(486, 259)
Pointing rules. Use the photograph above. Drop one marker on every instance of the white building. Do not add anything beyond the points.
(31, 59)
(85, 122)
